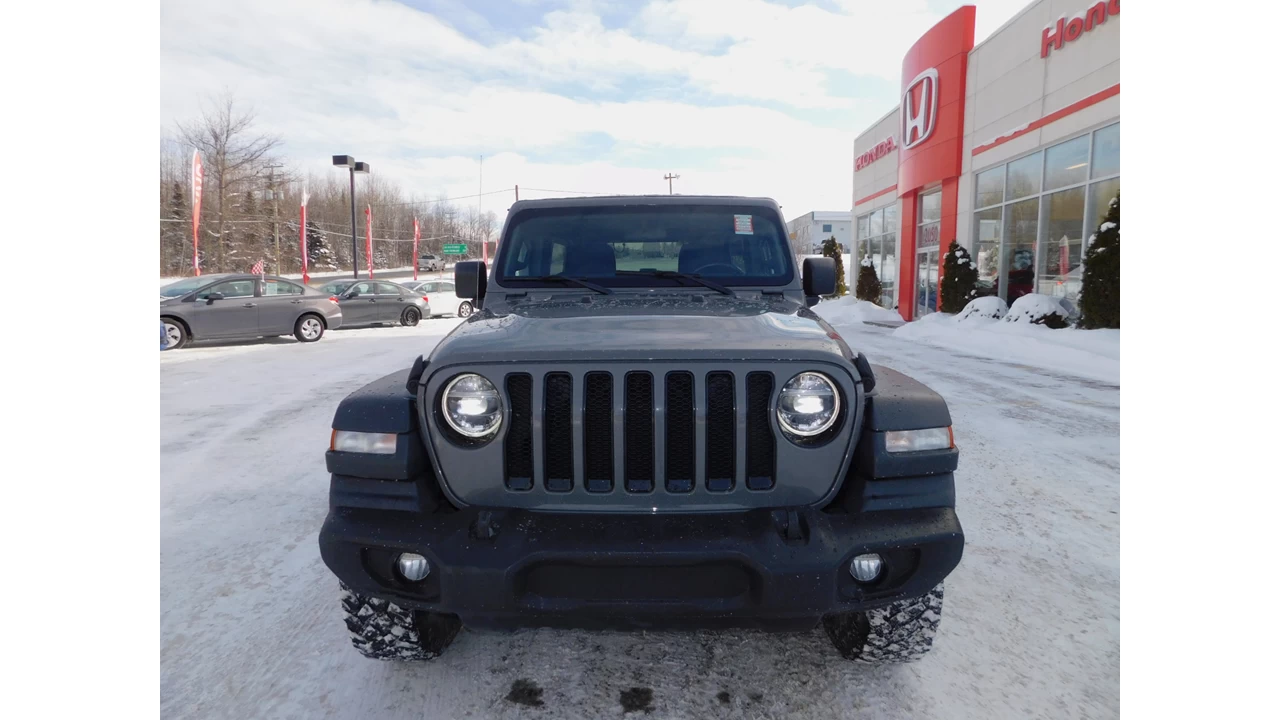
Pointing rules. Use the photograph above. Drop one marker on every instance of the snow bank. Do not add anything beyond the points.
(1088, 353)
(983, 308)
(849, 309)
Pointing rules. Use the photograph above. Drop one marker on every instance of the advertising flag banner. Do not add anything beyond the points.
(197, 184)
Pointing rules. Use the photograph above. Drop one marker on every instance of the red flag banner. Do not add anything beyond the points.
(302, 235)
(368, 238)
(197, 184)
(416, 236)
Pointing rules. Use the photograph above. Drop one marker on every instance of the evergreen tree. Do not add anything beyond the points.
(175, 235)
(959, 279)
(868, 282)
(832, 249)
(1100, 295)
(249, 232)
(319, 256)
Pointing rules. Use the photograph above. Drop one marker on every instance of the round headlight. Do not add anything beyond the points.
(471, 406)
(808, 404)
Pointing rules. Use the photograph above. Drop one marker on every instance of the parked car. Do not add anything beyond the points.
(680, 445)
(245, 306)
(381, 302)
(430, 263)
(441, 295)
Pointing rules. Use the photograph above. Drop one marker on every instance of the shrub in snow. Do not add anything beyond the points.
(831, 249)
(984, 308)
(959, 278)
(1038, 310)
(1100, 292)
(868, 282)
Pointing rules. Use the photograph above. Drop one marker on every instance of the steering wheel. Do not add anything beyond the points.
(733, 269)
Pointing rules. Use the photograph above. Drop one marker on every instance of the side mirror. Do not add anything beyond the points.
(470, 281)
(353, 294)
(208, 299)
(819, 278)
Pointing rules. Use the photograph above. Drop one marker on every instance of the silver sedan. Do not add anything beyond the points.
(227, 306)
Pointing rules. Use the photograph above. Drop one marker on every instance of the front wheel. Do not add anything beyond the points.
(382, 630)
(410, 317)
(309, 328)
(465, 310)
(899, 633)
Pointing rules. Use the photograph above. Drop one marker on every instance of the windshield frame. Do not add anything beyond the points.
(763, 212)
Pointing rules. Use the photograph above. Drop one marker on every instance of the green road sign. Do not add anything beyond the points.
(458, 249)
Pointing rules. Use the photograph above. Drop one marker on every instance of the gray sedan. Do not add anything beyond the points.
(374, 302)
(245, 306)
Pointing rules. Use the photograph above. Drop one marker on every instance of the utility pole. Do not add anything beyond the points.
(275, 210)
(484, 245)
(669, 177)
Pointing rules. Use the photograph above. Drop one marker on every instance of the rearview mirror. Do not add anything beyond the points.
(470, 281)
(819, 278)
(208, 299)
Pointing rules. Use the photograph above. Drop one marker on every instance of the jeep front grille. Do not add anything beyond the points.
(715, 447)
(640, 437)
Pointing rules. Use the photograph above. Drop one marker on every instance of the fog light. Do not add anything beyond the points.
(413, 567)
(866, 568)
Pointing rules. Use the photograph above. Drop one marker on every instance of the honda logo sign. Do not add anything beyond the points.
(920, 116)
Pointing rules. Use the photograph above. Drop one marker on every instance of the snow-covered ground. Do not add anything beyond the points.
(250, 626)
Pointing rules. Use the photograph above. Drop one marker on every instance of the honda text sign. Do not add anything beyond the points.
(920, 108)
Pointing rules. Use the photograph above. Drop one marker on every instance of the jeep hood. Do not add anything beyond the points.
(642, 328)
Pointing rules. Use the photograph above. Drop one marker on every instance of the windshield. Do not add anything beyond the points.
(638, 246)
(182, 287)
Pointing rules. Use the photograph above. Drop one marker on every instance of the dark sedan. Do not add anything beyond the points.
(245, 306)
(378, 302)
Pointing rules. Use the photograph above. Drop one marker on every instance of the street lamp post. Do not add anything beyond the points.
(353, 167)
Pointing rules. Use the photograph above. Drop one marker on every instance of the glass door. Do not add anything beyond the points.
(926, 282)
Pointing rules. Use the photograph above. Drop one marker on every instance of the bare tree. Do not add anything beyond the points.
(233, 155)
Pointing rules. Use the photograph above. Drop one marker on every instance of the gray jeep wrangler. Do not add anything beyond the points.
(643, 426)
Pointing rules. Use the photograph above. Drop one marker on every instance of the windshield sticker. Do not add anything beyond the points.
(742, 225)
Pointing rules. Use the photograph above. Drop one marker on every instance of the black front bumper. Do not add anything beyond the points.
(779, 569)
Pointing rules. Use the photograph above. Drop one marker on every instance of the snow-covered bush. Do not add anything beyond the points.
(984, 308)
(832, 249)
(1100, 294)
(959, 278)
(868, 282)
(1038, 310)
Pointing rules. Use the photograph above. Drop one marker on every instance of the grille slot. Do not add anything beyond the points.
(518, 458)
(638, 432)
(597, 432)
(681, 441)
(721, 432)
(760, 440)
(558, 432)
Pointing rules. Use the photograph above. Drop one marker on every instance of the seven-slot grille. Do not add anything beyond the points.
(703, 426)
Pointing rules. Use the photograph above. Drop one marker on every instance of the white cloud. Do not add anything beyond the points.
(417, 97)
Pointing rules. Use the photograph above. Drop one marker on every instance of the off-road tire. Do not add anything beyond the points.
(306, 332)
(182, 338)
(382, 630)
(410, 317)
(465, 310)
(899, 633)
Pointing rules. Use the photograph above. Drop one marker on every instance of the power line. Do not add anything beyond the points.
(567, 192)
(460, 197)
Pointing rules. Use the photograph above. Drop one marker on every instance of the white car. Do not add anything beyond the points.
(441, 297)
(430, 263)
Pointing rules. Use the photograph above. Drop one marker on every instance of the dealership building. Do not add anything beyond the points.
(1010, 147)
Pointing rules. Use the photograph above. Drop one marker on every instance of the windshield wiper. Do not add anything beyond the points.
(566, 279)
(680, 276)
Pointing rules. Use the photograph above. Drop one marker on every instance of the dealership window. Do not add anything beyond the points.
(928, 232)
(826, 228)
(1034, 215)
(878, 239)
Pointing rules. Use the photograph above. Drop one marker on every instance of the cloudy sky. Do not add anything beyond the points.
(601, 96)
